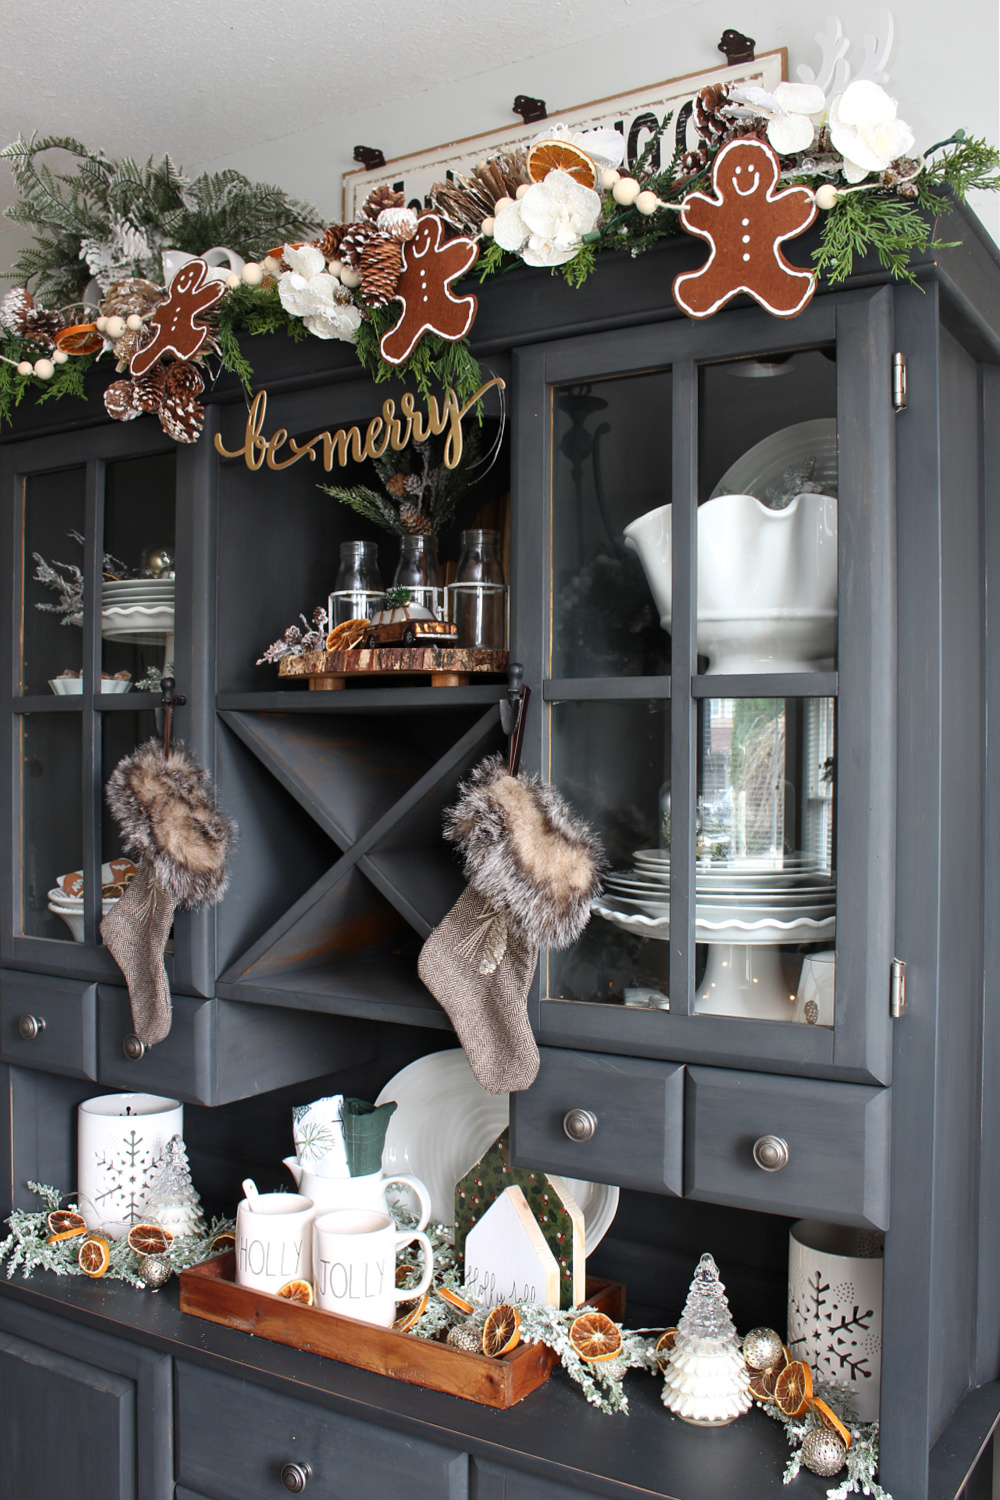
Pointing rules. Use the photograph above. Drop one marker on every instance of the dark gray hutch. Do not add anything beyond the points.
(304, 979)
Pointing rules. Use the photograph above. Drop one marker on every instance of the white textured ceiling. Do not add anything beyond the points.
(202, 78)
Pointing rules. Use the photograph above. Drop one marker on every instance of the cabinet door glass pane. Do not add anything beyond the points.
(137, 614)
(52, 620)
(610, 466)
(765, 877)
(612, 763)
(52, 840)
(767, 519)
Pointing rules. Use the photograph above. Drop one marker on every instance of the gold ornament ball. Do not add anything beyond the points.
(647, 203)
(155, 1271)
(133, 322)
(826, 196)
(25, 367)
(59, 356)
(501, 204)
(233, 280)
(350, 277)
(609, 177)
(823, 1452)
(522, 189)
(487, 227)
(626, 191)
(762, 1348)
(252, 273)
(44, 369)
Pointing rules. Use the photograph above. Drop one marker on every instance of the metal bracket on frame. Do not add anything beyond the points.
(897, 989)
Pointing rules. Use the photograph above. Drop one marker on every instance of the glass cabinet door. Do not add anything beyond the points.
(706, 744)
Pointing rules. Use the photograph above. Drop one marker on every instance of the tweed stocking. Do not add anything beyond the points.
(479, 967)
(135, 933)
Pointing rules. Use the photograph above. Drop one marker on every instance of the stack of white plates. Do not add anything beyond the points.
(66, 896)
(786, 899)
(137, 606)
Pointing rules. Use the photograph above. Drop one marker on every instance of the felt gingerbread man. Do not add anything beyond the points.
(745, 224)
(430, 265)
(176, 325)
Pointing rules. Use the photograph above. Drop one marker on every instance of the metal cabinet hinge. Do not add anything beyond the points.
(897, 989)
(899, 382)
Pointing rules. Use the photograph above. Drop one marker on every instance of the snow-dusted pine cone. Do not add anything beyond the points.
(330, 243)
(182, 378)
(378, 199)
(182, 419)
(15, 306)
(119, 401)
(416, 521)
(398, 223)
(709, 120)
(356, 237)
(132, 294)
(381, 263)
(149, 390)
(41, 327)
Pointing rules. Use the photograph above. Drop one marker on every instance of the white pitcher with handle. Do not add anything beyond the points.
(330, 1193)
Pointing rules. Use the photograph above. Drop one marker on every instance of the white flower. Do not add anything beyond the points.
(864, 129)
(309, 292)
(790, 113)
(546, 226)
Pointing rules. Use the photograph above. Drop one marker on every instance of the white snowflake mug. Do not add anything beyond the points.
(120, 1139)
(835, 1307)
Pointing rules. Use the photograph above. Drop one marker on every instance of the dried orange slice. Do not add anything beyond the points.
(64, 1224)
(297, 1291)
(410, 1314)
(348, 635)
(149, 1239)
(82, 338)
(595, 1337)
(222, 1243)
(501, 1331)
(830, 1419)
(763, 1382)
(454, 1300)
(664, 1344)
(793, 1389)
(95, 1255)
(561, 156)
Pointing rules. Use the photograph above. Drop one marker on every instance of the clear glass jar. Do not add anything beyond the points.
(419, 571)
(358, 590)
(477, 600)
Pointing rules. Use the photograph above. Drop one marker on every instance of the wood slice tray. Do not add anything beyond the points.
(210, 1291)
(448, 666)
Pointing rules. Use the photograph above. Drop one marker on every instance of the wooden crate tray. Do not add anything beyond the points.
(210, 1291)
(448, 666)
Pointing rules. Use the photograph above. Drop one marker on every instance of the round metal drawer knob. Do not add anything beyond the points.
(295, 1477)
(28, 1027)
(770, 1153)
(133, 1048)
(580, 1124)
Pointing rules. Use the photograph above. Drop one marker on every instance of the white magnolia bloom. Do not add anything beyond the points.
(546, 226)
(790, 112)
(864, 129)
(605, 147)
(309, 292)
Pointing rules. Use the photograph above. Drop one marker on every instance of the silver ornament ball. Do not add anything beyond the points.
(465, 1336)
(823, 1452)
(154, 1271)
(762, 1348)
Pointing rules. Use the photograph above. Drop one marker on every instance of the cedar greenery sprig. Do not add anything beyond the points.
(68, 379)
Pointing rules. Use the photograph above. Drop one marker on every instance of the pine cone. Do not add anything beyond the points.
(378, 199)
(396, 485)
(133, 294)
(149, 390)
(356, 237)
(15, 307)
(464, 203)
(504, 173)
(183, 378)
(129, 344)
(330, 243)
(709, 120)
(182, 419)
(41, 327)
(398, 223)
(416, 521)
(119, 401)
(381, 263)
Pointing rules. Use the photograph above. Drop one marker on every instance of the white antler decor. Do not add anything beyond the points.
(835, 72)
(875, 65)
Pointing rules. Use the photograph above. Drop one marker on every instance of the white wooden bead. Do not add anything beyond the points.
(647, 203)
(487, 228)
(609, 177)
(271, 265)
(335, 267)
(101, 325)
(234, 280)
(25, 367)
(114, 327)
(44, 369)
(826, 196)
(350, 277)
(253, 274)
(522, 189)
(502, 203)
(133, 322)
(59, 356)
(625, 192)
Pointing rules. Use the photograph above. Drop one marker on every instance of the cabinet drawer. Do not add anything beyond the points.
(618, 1092)
(221, 1050)
(234, 1438)
(836, 1135)
(63, 1038)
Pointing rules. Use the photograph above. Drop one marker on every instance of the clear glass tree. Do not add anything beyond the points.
(705, 1380)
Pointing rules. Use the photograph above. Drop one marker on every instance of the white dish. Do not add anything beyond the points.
(809, 449)
(120, 621)
(769, 930)
(444, 1122)
(74, 917)
(64, 687)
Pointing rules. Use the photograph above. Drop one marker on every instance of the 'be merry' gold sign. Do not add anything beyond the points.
(391, 430)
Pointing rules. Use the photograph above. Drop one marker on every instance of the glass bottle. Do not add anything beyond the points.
(419, 571)
(478, 597)
(358, 589)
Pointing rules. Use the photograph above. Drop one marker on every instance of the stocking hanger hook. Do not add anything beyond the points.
(513, 708)
(169, 701)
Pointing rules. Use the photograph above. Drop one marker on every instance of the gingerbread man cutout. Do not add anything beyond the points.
(430, 265)
(175, 322)
(745, 224)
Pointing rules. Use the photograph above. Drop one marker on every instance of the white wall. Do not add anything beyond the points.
(944, 71)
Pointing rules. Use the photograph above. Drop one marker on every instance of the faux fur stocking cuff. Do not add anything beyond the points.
(525, 851)
(165, 808)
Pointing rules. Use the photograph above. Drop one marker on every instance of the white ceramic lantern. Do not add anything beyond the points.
(835, 1307)
(120, 1139)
